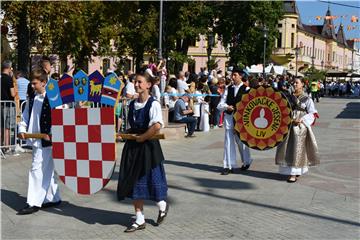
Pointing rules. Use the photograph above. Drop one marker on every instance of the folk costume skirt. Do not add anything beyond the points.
(298, 151)
(142, 174)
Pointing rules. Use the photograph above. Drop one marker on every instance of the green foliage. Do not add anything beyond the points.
(84, 29)
(315, 75)
(240, 25)
(212, 64)
(184, 21)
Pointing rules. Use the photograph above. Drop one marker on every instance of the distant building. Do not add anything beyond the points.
(303, 46)
(298, 47)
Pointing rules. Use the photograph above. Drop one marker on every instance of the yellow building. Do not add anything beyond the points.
(300, 46)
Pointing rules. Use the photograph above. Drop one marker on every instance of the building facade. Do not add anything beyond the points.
(300, 46)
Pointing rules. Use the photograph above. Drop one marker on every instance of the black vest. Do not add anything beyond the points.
(45, 118)
(231, 99)
(140, 123)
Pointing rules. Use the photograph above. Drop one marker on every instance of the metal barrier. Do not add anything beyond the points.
(123, 116)
(22, 142)
(8, 135)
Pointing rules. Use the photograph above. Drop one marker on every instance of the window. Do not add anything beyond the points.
(329, 57)
(63, 65)
(292, 40)
(192, 42)
(191, 66)
(279, 25)
(105, 65)
(293, 25)
(333, 58)
(279, 40)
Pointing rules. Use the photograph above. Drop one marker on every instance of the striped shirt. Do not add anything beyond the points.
(22, 84)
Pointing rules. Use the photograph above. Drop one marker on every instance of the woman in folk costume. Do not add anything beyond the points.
(142, 174)
(299, 150)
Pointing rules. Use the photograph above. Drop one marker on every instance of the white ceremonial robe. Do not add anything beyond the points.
(231, 138)
(204, 121)
(42, 183)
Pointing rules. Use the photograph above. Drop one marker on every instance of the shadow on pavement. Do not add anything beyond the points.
(283, 209)
(216, 169)
(223, 184)
(352, 111)
(265, 175)
(85, 214)
(93, 215)
(199, 166)
(13, 199)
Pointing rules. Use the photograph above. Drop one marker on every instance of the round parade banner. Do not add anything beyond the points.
(262, 118)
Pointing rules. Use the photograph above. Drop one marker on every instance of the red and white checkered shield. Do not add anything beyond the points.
(84, 147)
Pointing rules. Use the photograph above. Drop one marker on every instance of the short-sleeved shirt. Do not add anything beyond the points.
(179, 107)
(6, 85)
(130, 88)
(182, 86)
(22, 84)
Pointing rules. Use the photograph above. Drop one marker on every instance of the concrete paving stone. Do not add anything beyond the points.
(256, 204)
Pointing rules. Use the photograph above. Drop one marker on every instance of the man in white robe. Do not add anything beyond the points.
(231, 96)
(43, 190)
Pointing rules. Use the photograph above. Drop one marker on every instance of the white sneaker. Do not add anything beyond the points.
(19, 149)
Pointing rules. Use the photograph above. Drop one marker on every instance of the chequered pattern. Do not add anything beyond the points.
(84, 147)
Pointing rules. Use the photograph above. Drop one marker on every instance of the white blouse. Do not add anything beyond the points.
(309, 118)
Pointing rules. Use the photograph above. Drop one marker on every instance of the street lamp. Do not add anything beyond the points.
(211, 42)
(265, 32)
(160, 30)
(297, 49)
(296, 59)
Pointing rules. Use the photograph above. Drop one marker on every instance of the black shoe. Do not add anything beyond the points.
(51, 204)
(160, 218)
(28, 210)
(190, 136)
(291, 179)
(235, 170)
(245, 167)
(225, 171)
(134, 227)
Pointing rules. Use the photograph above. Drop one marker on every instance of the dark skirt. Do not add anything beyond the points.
(142, 174)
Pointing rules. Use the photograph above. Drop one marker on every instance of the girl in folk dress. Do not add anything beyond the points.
(142, 174)
(205, 112)
(299, 150)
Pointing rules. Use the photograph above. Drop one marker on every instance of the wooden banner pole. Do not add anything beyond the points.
(127, 136)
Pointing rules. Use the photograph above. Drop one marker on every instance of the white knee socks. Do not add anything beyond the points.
(162, 206)
(140, 218)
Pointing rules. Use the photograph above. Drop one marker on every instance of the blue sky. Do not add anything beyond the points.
(311, 8)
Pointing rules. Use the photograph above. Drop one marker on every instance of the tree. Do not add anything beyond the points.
(76, 29)
(315, 75)
(240, 24)
(184, 22)
(16, 15)
(132, 26)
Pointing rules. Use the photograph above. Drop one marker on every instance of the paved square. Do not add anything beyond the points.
(256, 204)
